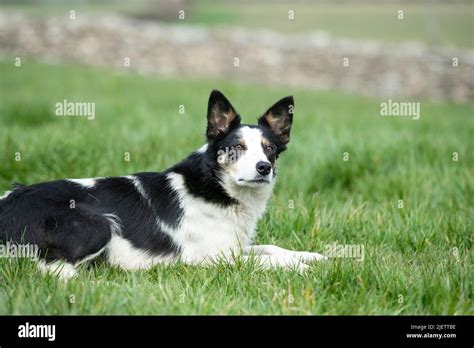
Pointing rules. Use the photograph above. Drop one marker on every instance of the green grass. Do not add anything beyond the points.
(410, 266)
(440, 23)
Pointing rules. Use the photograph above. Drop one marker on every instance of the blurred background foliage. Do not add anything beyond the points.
(447, 23)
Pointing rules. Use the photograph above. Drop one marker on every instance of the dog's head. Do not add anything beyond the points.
(246, 155)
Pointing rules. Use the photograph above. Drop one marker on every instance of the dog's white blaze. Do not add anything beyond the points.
(208, 230)
(90, 182)
(246, 166)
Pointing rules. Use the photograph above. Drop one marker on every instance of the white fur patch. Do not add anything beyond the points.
(121, 252)
(202, 149)
(90, 182)
(62, 269)
(5, 195)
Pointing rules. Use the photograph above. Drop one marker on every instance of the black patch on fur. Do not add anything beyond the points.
(120, 197)
(41, 214)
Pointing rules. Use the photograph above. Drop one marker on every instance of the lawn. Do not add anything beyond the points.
(418, 258)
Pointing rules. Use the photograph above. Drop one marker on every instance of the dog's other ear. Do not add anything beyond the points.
(221, 116)
(279, 118)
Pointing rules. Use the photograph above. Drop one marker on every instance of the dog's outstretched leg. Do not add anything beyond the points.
(275, 251)
(286, 262)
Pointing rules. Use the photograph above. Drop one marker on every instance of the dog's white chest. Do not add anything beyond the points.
(208, 230)
(204, 234)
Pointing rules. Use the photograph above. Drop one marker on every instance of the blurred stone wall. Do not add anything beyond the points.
(313, 60)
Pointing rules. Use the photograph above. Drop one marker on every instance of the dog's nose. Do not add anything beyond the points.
(263, 168)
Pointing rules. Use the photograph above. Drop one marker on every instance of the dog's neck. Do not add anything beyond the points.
(203, 180)
(246, 194)
(252, 201)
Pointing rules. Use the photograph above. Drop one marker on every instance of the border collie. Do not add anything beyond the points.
(199, 210)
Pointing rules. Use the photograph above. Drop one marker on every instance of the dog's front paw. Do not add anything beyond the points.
(309, 257)
(292, 264)
(287, 262)
(301, 267)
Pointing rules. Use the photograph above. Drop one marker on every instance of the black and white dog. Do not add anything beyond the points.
(201, 209)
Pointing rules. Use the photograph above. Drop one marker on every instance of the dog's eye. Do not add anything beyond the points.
(269, 148)
(239, 147)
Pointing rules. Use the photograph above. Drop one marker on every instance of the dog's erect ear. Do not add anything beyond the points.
(279, 118)
(221, 116)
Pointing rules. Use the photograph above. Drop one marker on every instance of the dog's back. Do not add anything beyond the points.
(70, 219)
